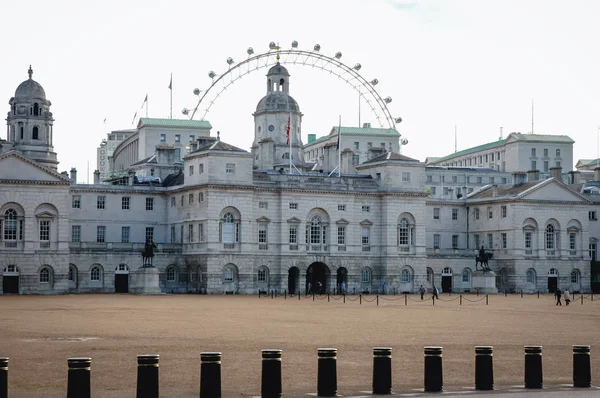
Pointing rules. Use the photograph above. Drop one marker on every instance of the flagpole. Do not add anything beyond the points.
(171, 88)
(340, 146)
(146, 105)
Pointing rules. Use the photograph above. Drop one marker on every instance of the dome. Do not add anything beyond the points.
(30, 89)
(278, 69)
(277, 101)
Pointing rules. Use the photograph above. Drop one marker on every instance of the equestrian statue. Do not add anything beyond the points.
(148, 253)
(483, 259)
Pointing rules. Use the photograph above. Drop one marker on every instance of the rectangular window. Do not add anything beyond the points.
(492, 157)
(191, 198)
(101, 202)
(150, 234)
(454, 214)
(365, 235)
(454, 179)
(201, 232)
(262, 233)
(592, 251)
(572, 241)
(177, 138)
(533, 152)
(436, 241)
(173, 234)
(293, 206)
(356, 145)
(479, 180)
(366, 209)
(429, 178)
(486, 158)
(230, 168)
(201, 168)
(341, 236)
(45, 230)
(125, 203)
(293, 234)
(533, 165)
(191, 169)
(125, 231)
(446, 190)
(528, 236)
(592, 216)
(490, 238)
(503, 211)
(76, 233)
(191, 233)
(200, 196)
(173, 201)
(558, 153)
(490, 212)
(436, 213)
(76, 202)
(263, 205)
(405, 176)
(341, 207)
(546, 166)
(149, 204)
(455, 242)
(476, 241)
(477, 213)
(503, 180)
(491, 180)
(545, 151)
(181, 200)
(100, 234)
(355, 160)
(163, 138)
(192, 138)
(480, 159)
(558, 164)
(503, 236)
(369, 145)
(433, 190)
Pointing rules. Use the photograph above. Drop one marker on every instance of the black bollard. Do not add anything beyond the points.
(484, 368)
(433, 369)
(270, 385)
(582, 375)
(382, 370)
(327, 372)
(210, 375)
(4, 377)
(78, 381)
(147, 376)
(533, 367)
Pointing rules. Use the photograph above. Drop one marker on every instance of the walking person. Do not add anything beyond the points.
(558, 294)
(567, 297)
(422, 291)
(436, 292)
(343, 286)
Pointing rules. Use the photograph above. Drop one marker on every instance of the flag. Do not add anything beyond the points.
(287, 133)
(134, 116)
(171, 83)
(145, 101)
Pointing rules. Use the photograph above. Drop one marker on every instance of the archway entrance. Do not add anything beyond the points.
(122, 279)
(10, 280)
(447, 280)
(552, 280)
(317, 275)
(293, 280)
(342, 280)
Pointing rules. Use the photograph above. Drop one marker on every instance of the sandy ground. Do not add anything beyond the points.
(39, 334)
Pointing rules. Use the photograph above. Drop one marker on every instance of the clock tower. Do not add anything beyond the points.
(277, 121)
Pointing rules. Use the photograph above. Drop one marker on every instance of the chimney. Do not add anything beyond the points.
(131, 178)
(96, 177)
(533, 175)
(556, 172)
(518, 177)
(73, 175)
(575, 177)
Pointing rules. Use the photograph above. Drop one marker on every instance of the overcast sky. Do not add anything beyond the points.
(474, 64)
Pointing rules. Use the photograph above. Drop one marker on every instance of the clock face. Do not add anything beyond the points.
(271, 128)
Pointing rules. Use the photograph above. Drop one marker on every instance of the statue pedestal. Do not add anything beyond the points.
(484, 281)
(145, 281)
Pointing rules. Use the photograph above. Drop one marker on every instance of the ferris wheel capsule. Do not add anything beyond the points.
(374, 82)
(404, 141)
(338, 55)
(212, 74)
(398, 120)
(250, 51)
(185, 111)
(317, 47)
(388, 100)
(272, 45)
(294, 44)
(357, 67)
(197, 91)
(229, 61)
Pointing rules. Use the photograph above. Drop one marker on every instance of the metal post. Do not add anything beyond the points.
(272, 294)
(382, 370)
(405, 300)
(299, 295)
(538, 294)
(533, 367)
(344, 298)
(433, 369)
(521, 293)
(4, 377)
(270, 385)
(78, 381)
(285, 294)
(582, 375)
(582, 299)
(377, 299)
(484, 368)
(360, 298)
(460, 300)
(433, 299)
(327, 296)
(210, 375)
(327, 372)
(313, 296)
(147, 376)
(487, 297)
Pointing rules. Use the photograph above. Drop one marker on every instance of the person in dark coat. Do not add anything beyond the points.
(558, 295)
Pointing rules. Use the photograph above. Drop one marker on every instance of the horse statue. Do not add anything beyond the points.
(483, 259)
(148, 253)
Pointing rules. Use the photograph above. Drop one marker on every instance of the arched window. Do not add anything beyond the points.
(95, 274)
(36, 133)
(466, 275)
(429, 275)
(447, 271)
(553, 272)
(10, 224)
(316, 232)
(531, 277)
(171, 274)
(405, 276)
(366, 275)
(262, 274)
(550, 237)
(575, 277)
(71, 274)
(403, 233)
(230, 231)
(228, 274)
(44, 275)
(36, 109)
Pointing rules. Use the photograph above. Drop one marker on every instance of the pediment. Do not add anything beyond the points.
(263, 219)
(16, 167)
(342, 221)
(294, 220)
(45, 214)
(552, 190)
(366, 222)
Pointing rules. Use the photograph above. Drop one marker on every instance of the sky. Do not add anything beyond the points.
(474, 66)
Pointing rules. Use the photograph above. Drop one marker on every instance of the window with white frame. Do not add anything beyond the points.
(191, 233)
(575, 277)
(45, 230)
(171, 274)
(455, 242)
(341, 235)
(592, 251)
(101, 202)
(550, 237)
(490, 212)
(530, 276)
(503, 238)
(263, 205)
(490, 238)
(177, 138)
(293, 234)
(262, 233)
(173, 202)
(503, 211)
(341, 207)
(476, 240)
(365, 235)
(262, 275)
(45, 275)
(558, 153)
(436, 213)
(75, 233)
(592, 215)
(403, 232)
(405, 176)
(125, 202)
(95, 274)
(293, 206)
(228, 274)
(533, 152)
(149, 234)
(405, 276)
(76, 202)
(230, 231)
(149, 204)
(528, 240)
(163, 138)
(316, 231)
(201, 232)
(101, 234)
(201, 168)
(454, 214)
(572, 241)
(125, 232)
(366, 208)
(365, 275)
(200, 197)
(436, 241)
(191, 198)
(466, 276)
(191, 170)
(230, 168)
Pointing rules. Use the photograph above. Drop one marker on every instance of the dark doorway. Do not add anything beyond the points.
(446, 284)
(293, 277)
(342, 280)
(10, 284)
(121, 283)
(316, 278)
(552, 284)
